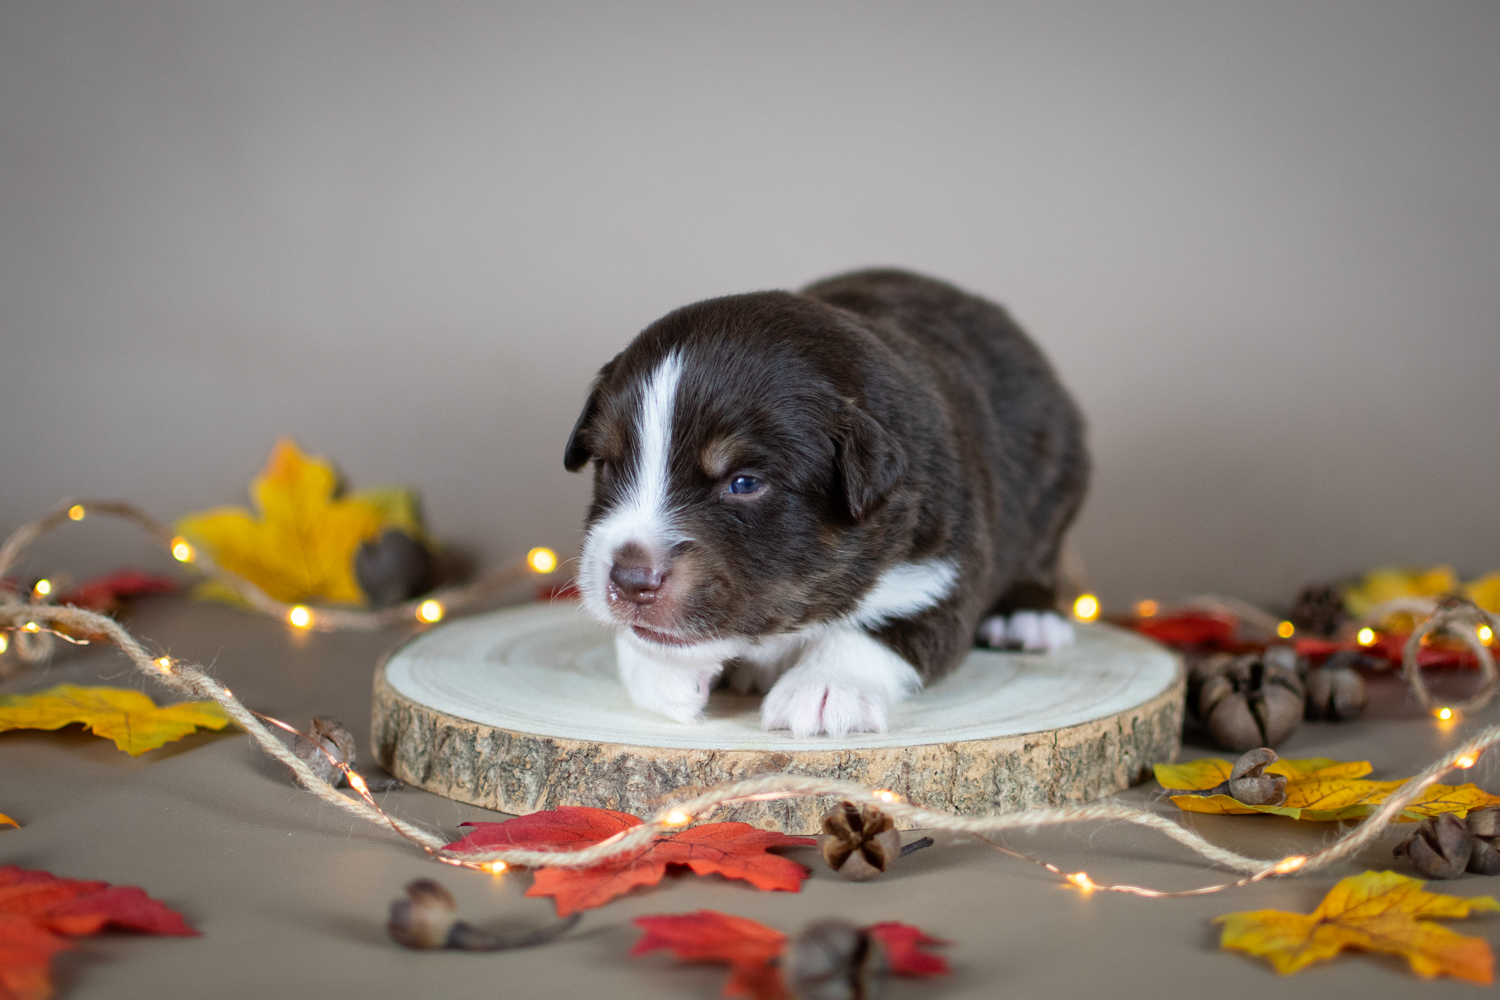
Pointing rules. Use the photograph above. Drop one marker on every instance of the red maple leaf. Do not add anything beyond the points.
(903, 945)
(734, 850)
(104, 593)
(751, 949)
(747, 947)
(37, 910)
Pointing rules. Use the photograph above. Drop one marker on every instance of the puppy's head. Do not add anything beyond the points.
(739, 477)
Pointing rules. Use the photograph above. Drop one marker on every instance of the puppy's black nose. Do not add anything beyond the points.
(638, 582)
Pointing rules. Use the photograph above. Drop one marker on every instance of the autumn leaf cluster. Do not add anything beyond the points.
(128, 717)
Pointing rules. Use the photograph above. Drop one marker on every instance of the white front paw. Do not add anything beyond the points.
(812, 707)
(1039, 631)
(674, 689)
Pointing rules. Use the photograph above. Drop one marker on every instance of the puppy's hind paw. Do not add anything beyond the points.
(814, 708)
(1033, 631)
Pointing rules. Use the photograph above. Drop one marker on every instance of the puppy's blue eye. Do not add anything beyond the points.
(744, 484)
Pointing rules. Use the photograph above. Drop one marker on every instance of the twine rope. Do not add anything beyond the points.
(192, 680)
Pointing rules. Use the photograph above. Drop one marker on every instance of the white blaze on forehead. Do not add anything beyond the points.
(641, 516)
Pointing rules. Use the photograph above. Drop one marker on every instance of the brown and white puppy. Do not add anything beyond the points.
(828, 492)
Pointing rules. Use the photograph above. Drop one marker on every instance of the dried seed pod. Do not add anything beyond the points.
(1439, 847)
(1335, 693)
(1249, 783)
(1484, 824)
(334, 746)
(1200, 669)
(1249, 703)
(834, 960)
(859, 842)
(1319, 609)
(427, 919)
(393, 568)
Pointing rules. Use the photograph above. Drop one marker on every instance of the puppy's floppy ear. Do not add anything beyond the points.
(870, 461)
(576, 455)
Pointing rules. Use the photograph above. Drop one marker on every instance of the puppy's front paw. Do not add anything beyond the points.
(678, 691)
(813, 707)
(1039, 631)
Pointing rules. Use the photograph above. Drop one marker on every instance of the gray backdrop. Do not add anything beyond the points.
(1260, 241)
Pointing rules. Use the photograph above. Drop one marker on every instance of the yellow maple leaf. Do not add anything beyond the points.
(1317, 789)
(1374, 911)
(1388, 583)
(301, 547)
(128, 717)
(1485, 592)
(7, 821)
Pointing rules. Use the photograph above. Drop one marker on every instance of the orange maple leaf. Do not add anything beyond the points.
(1316, 789)
(1375, 911)
(39, 911)
(734, 850)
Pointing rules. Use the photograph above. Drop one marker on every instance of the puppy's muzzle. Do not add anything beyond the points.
(636, 580)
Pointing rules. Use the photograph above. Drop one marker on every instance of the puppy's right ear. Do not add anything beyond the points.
(577, 454)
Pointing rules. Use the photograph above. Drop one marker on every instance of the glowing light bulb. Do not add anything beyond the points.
(42, 588)
(430, 611)
(1486, 634)
(4, 644)
(181, 550)
(1444, 713)
(494, 867)
(32, 627)
(1086, 608)
(678, 818)
(300, 616)
(1365, 637)
(1288, 865)
(356, 782)
(885, 795)
(1285, 629)
(1147, 609)
(1082, 881)
(542, 560)
(76, 512)
(1466, 761)
(164, 664)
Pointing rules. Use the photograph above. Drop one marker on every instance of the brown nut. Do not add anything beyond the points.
(1250, 703)
(859, 842)
(1484, 824)
(1439, 847)
(1335, 694)
(834, 960)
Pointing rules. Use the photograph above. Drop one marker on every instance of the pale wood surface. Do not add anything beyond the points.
(520, 710)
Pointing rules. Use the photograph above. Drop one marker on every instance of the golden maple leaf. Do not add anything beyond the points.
(1374, 911)
(1316, 789)
(1485, 592)
(301, 546)
(1388, 583)
(128, 717)
(7, 821)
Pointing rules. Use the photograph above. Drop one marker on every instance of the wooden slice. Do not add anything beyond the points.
(520, 710)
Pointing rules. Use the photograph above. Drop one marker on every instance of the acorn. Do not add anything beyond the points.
(1334, 693)
(1440, 846)
(1247, 702)
(834, 960)
(393, 568)
(1484, 824)
(427, 919)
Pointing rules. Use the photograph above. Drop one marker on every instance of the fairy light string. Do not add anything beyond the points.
(193, 681)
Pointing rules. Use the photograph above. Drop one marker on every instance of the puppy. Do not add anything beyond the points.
(827, 493)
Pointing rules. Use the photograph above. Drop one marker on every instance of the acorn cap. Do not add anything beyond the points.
(425, 918)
